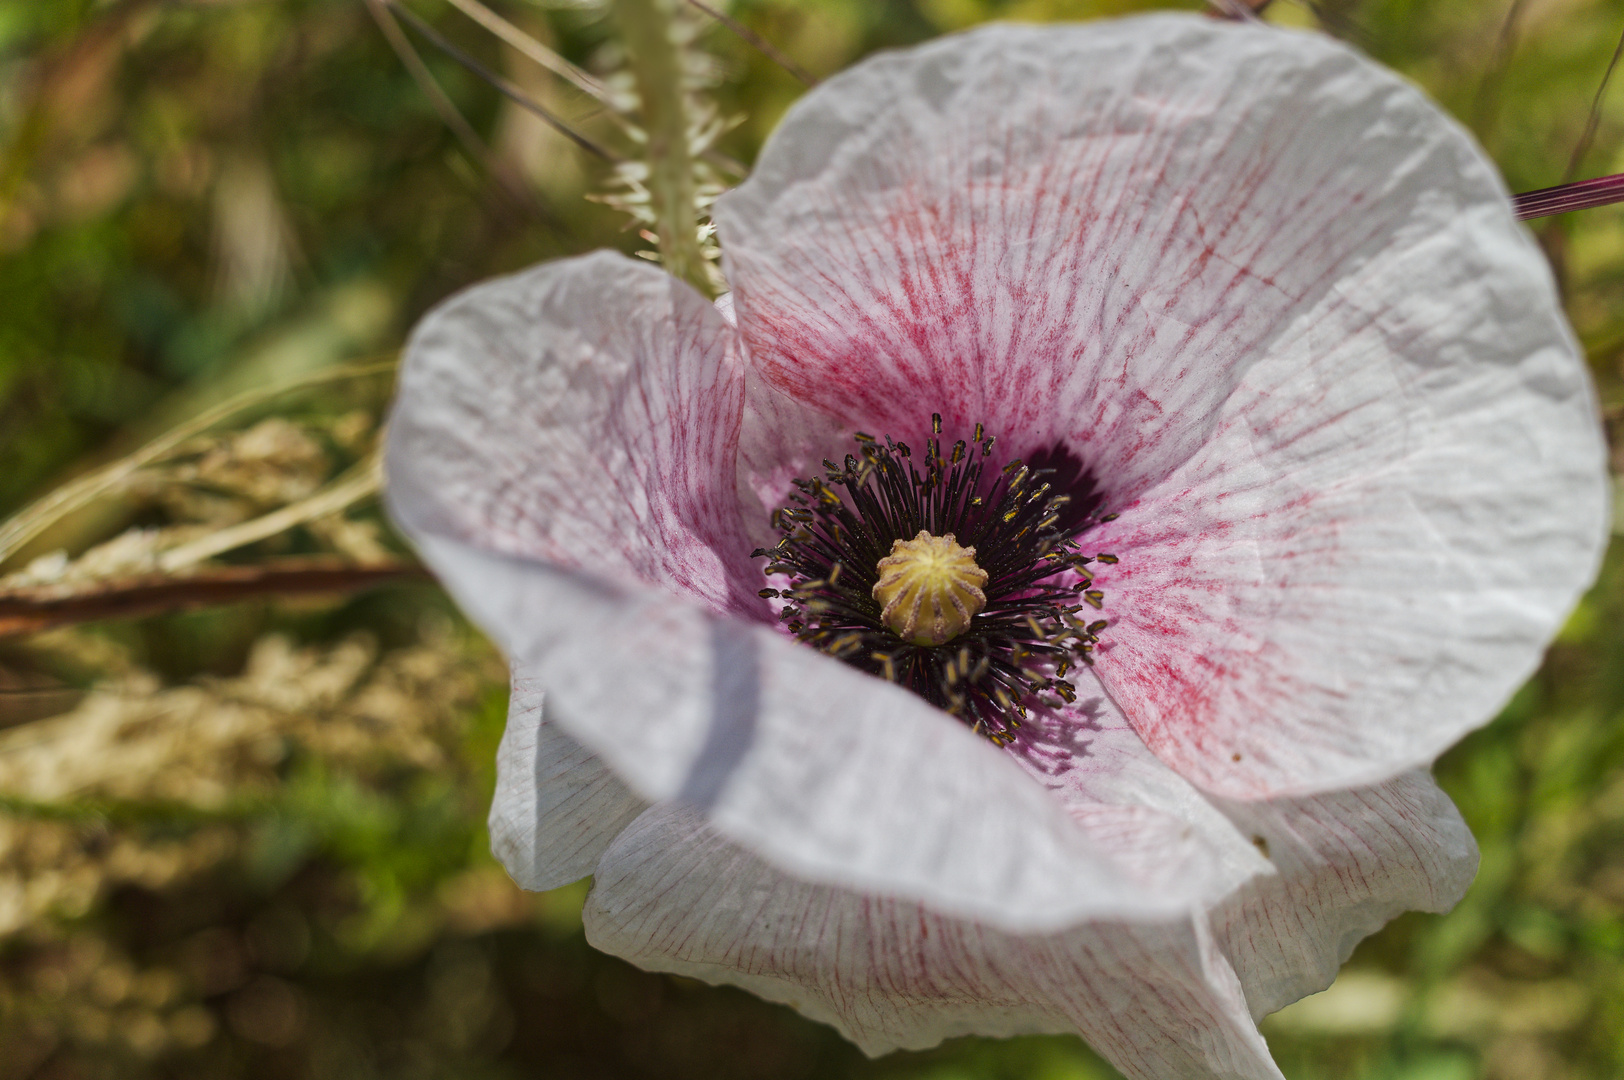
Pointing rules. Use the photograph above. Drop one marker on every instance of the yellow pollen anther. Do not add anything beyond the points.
(929, 589)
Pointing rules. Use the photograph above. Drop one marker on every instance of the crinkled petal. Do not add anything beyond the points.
(556, 454)
(1297, 882)
(1272, 298)
(1081, 234)
(824, 771)
(1294, 883)
(584, 413)
(1157, 999)
(557, 807)
(1157, 825)
(1307, 606)
(1345, 863)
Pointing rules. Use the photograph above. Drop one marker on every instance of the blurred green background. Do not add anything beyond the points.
(248, 840)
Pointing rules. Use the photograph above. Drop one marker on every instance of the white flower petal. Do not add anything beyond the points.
(1308, 604)
(557, 455)
(1298, 881)
(825, 771)
(1158, 1000)
(557, 807)
(1346, 862)
(1158, 825)
(1272, 298)
(584, 413)
(1078, 233)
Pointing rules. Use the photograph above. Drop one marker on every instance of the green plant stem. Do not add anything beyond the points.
(645, 27)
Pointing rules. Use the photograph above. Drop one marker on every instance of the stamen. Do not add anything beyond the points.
(939, 574)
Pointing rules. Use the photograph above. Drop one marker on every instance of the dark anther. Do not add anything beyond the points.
(1070, 477)
(1020, 517)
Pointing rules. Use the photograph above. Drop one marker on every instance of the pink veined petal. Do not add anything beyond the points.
(824, 771)
(1157, 824)
(1306, 603)
(557, 454)
(1270, 296)
(1073, 233)
(1298, 881)
(1157, 999)
(557, 807)
(1345, 863)
(584, 413)
(779, 443)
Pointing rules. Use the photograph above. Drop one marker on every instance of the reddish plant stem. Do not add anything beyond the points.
(1602, 191)
(41, 607)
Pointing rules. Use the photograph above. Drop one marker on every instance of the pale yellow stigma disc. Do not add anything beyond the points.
(929, 589)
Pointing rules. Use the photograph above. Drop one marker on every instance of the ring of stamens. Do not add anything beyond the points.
(962, 530)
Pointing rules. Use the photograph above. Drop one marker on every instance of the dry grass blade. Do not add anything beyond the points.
(450, 115)
(535, 50)
(361, 482)
(38, 516)
(28, 611)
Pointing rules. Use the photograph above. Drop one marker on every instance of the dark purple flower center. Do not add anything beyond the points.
(1022, 522)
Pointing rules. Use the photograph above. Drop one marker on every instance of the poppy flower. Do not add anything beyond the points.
(1128, 455)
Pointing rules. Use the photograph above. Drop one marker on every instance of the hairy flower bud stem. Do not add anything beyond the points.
(656, 64)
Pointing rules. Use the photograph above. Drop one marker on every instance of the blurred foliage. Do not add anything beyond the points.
(247, 841)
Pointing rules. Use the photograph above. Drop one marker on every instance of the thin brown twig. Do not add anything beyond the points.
(41, 607)
(1593, 121)
(761, 44)
(501, 85)
(450, 115)
(1486, 107)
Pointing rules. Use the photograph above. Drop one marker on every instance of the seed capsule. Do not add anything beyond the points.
(929, 589)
